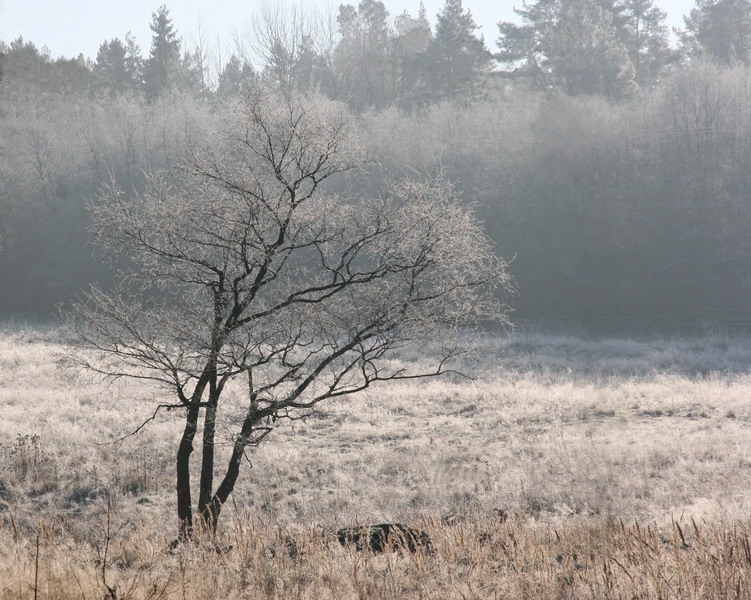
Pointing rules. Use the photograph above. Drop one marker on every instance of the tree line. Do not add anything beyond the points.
(608, 162)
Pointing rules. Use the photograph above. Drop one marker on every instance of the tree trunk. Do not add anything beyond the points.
(210, 513)
(184, 502)
(206, 483)
(207, 460)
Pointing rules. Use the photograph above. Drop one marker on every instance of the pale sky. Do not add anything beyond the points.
(70, 27)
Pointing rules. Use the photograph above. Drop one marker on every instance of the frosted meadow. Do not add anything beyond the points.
(570, 468)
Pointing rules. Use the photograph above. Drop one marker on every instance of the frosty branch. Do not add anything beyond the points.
(242, 269)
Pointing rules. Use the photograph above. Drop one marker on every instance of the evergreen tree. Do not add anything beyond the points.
(162, 68)
(646, 37)
(375, 47)
(192, 74)
(522, 47)
(720, 29)
(573, 45)
(25, 66)
(134, 62)
(457, 57)
(23, 62)
(113, 68)
(409, 46)
(278, 72)
(306, 64)
(361, 60)
(346, 59)
(71, 75)
(584, 53)
(233, 77)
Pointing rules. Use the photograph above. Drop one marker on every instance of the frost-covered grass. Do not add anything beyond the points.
(602, 454)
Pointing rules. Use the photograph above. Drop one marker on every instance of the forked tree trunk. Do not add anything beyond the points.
(207, 456)
(210, 513)
(185, 449)
(206, 483)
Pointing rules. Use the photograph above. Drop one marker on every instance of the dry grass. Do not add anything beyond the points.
(623, 467)
(579, 559)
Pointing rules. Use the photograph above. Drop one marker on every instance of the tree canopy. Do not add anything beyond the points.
(246, 276)
(719, 29)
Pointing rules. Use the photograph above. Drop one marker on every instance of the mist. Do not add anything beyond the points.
(615, 181)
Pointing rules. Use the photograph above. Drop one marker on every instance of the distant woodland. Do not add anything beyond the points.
(609, 159)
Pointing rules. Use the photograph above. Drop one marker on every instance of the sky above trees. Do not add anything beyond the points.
(79, 26)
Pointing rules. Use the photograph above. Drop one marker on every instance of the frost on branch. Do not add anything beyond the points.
(241, 266)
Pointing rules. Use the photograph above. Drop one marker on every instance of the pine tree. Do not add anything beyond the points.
(111, 70)
(361, 60)
(579, 46)
(24, 62)
(409, 46)
(457, 57)
(192, 74)
(646, 37)
(585, 55)
(134, 62)
(375, 49)
(233, 77)
(720, 29)
(522, 47)
(345, 57)
(161, 71)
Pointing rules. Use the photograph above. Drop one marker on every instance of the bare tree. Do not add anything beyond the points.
(244, 273)
(274, 39)
(289, 44)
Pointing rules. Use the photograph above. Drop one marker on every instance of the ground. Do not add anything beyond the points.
(570, 467)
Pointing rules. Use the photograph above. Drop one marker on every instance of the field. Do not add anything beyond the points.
(570, 468)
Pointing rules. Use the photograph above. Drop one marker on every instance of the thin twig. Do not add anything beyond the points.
(142, 425)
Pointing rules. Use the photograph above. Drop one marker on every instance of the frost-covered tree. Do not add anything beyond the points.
(247, 277)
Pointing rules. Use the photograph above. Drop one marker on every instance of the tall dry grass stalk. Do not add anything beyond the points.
(583, 558)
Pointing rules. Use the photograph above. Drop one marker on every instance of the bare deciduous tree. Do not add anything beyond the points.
(288, 43)
(242, 272)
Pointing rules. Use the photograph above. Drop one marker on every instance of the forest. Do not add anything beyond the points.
(607, 157)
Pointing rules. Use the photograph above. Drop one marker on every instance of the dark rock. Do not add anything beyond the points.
(385, 537)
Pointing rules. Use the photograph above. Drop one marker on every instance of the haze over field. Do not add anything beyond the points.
(607, 157)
